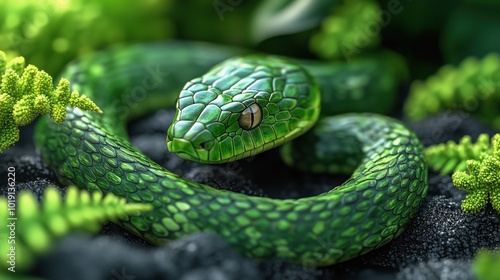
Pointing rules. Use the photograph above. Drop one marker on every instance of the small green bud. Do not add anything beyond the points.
(23, 112)
(58, 113)
(41, 105)
(17, 64)
(83, 102)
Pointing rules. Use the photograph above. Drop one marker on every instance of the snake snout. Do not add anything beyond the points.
(192, 150)
(181, 147)
(193, 143)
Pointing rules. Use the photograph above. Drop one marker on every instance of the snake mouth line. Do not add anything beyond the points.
(181, 147)
(186, 150)
(186, 156)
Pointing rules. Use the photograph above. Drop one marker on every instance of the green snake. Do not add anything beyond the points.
(239, 105)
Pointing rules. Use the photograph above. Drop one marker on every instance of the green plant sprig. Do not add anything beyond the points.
(26, 92)
(451, 157)
(38, 227)
(481, 180)
(473, 86)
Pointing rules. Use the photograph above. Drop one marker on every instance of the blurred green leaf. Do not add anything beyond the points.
(350, 29)
(50, 33)
(485, 264)
(281, 17)
(415, 32)
(473, 30)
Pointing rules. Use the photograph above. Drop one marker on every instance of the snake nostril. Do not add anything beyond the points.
(206, 145)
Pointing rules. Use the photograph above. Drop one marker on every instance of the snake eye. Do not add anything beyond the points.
(250, 117)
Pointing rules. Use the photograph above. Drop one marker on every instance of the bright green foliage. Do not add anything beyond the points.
(37, 227)
(473, 86)
(50, 33)
(482, 180)
(486, 265)
(25, 93)
(451, 157)
(353, 26)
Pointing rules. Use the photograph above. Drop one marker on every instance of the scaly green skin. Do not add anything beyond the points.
(92, 151)
(209, 108)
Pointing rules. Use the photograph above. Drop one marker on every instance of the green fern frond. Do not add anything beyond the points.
(451, 157)
(482, 181)
(353, 26)
(473, 86)
(35, 228)
(26, 92)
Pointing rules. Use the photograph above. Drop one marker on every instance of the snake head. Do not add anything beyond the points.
(241, 107)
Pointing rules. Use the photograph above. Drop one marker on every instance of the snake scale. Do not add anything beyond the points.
(240, 107)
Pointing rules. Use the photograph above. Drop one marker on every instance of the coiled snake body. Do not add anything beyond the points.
(241, 107)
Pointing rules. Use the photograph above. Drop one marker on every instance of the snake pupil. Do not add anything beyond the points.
(250, 117)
